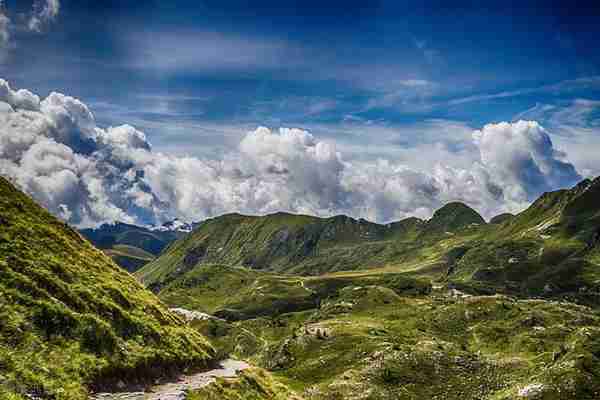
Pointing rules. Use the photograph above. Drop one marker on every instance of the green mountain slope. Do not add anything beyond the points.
(550, 249)
(130, 246)
(498, 219)
(453, 216)
(302, 244)
(70, 318)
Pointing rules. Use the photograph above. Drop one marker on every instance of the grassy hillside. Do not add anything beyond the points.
(551, 249)
(130, 246)
(307, 245)
(237, 293)
(70, 318)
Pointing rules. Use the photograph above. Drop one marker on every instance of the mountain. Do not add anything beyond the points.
(286, 242)
(462, 310)
(550, 249)
(303, 244)
(71, 319)
(453, 216)
(175, 225)
(133, 246)
(500, 218)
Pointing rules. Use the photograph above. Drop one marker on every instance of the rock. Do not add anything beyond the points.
(192, 315)
(531, 391)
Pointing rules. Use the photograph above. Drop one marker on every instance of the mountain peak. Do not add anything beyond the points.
(175, 225)
(454, 215)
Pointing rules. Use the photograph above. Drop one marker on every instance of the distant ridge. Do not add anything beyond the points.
(133, 246)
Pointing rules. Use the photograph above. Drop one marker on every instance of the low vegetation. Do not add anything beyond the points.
(253, 384)
(372, 342)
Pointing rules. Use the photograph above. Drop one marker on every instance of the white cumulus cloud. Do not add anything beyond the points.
(86, 174)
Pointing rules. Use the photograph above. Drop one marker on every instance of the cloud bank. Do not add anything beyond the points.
(86, 174)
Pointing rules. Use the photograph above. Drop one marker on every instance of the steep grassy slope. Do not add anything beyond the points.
(306, 245)
(130, 246)
(70, 318)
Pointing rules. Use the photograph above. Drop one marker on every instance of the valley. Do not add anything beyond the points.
(450, 308)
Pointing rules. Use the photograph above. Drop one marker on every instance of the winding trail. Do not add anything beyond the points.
(176, 390)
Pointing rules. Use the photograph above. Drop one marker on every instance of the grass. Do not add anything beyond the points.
(237, 293)
(371, 342)
(252, 384)
(73, 320)
(129, 257)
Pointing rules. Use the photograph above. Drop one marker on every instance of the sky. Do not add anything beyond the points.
(144, 111)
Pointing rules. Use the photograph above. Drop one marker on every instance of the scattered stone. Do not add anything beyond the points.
(192, 315)
(531, 391)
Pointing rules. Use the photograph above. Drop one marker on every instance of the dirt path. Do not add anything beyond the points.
(176, 390)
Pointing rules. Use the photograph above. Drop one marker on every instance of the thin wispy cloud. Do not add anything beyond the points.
(198, 51)
(558, 87)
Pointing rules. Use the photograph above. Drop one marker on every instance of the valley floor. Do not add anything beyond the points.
(375, 336)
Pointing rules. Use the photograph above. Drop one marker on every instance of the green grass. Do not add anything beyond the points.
(252, 384)
(72, 319)
(236, 293)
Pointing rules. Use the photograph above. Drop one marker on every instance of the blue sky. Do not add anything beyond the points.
(384, 80)
(220, 64)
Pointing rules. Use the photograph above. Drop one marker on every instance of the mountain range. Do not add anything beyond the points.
(550, 249)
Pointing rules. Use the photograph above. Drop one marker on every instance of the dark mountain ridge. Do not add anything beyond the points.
(304, 244)
(133, 246)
